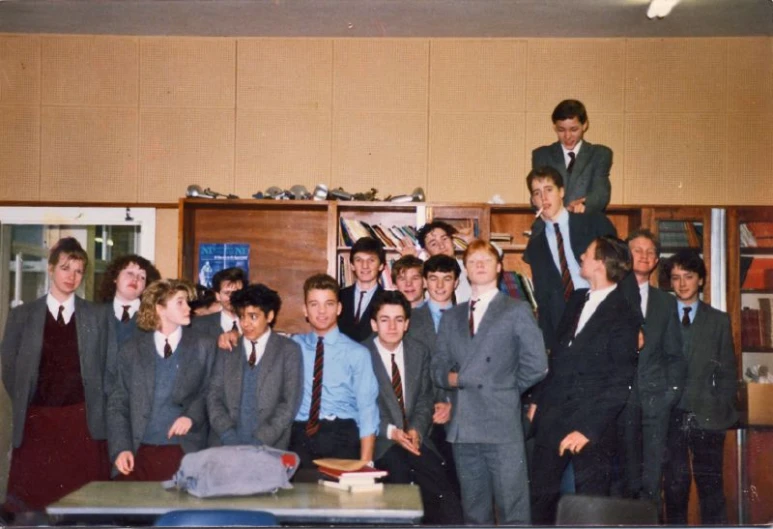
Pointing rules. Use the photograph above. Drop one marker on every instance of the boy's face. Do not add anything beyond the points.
(367, 267)
(130, 282)
(548, 197)
(441, 286)
(255, 322)
(321, 310)
(438, 242)
(390, 324)
(176, 311)
(645, 256)
(411, 284)
(224, 296)
(482, 268)
(686, 284)
(570, 132)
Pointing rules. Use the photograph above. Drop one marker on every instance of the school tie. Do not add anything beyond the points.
(60, 315)
(235, 328)
(312, 425)
(253, 356)
(397, 385)
(571, 162)
(167, 349)
(686, 316)
(472, 319)
(359, 308)
(566, 278)
(125, 316)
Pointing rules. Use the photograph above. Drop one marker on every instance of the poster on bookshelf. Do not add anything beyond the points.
(214, 257)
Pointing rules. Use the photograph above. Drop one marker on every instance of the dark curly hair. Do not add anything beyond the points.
(106, 291)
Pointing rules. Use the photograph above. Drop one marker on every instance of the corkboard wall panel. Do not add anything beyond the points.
(19, 153)
(281, 148)
(285, 74)
(384, 150)
(89, 71)
(675, 159)
(477, 75)
(381, 74)
(676, 75)
(474, 156)
(19, 70)
(179, 147)
(88, 154)
(167, 231)
(591, 70)
(750, 161)
(750, 75)
(188, 72)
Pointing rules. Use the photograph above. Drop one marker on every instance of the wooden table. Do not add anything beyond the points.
(305, 503)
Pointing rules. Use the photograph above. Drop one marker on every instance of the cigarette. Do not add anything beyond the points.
(539, 212)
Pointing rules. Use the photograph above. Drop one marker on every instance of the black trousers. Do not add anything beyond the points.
(339, 438)
(428, 471)
(592, 473)
(705, 449)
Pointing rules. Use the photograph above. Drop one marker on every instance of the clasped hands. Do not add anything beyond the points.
(410, 440)
(125, 460)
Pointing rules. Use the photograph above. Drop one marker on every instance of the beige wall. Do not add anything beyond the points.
(137, 119)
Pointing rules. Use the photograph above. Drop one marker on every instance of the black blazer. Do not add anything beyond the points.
(548, 291)
(360, 331)
(589, 377)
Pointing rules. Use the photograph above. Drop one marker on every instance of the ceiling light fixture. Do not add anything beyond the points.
(661, 8)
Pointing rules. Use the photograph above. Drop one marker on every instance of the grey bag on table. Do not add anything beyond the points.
(234, 471)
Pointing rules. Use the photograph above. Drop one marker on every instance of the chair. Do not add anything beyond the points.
(579, 509)
(217, 518)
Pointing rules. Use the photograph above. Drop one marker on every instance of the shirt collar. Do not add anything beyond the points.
(576, 149)
(601, 294)
(53, 306)
(118, 304)
(160, 340)
(260, 343)
(357, 289)
(331, 336)
(435, 307)
(227, 322)
(386, 353)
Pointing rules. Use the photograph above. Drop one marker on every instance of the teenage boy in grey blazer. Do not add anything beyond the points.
(696, 434)
(255, 389)
(224, 283)
(489, 351)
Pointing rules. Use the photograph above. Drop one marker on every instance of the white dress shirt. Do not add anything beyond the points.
(481, 305)
(227, 322)
(118, 304)
(160, 340)
(594, 300)
(53, 307)
(260, 346)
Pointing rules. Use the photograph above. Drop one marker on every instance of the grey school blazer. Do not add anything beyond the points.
(417, 386)
(131, 398)
(504, 358)
(21, 352)
(279, 391)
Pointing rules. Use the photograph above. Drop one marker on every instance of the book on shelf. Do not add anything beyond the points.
(518, 286)
(766, 316)
(747, 237)
(760, 233)
(756, 273)
(680, 234)
(501, 237)
(390, 236)
(751, 327)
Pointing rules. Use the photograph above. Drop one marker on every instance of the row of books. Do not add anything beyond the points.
(391, 237)
(756, 273)
(680, 234)
(350, 476)
(757, 325)
(756, 234)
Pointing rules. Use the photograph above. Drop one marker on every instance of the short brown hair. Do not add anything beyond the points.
(478, 245)
(116, 266)
(321, 282)
(71, 248)
(544, 173)
(616, 257)
(159, 293)
(405, 263)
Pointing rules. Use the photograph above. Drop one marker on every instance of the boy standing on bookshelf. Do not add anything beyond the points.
(338, 416)
(706, 409)
(368, 258)
(488, 352)
(405, 402)
(407, 277)
(555, 247)
(224, 283)
(584, 167)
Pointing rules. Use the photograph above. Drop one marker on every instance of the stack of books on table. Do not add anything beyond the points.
(349, 475)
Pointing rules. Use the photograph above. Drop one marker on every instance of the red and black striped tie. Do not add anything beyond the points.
(566, 277)
(253, 355)
(312, 425)
(397, 385)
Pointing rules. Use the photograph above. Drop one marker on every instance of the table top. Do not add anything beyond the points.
(306, 502)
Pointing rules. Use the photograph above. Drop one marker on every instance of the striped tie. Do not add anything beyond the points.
(566, 277)
(571, 162)
(312, 426)
(397, 385)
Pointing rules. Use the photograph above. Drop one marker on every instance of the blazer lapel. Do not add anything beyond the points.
(233, 375)
(267, 362)
(410, 377)
(599, 317)
(384, 381)
(147, 367)
(495, 306)
(583, 157)
(558, 162)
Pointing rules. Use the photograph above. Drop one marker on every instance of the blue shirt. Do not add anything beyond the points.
(571, 262)
(349, 386)
(680, 310)
(436, 311)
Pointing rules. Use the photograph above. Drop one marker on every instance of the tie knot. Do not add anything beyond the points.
(557, 228)
(235, 327)
(571, 155)
(125, 316)
(473, 302)
(687, 310)
(167, 349)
